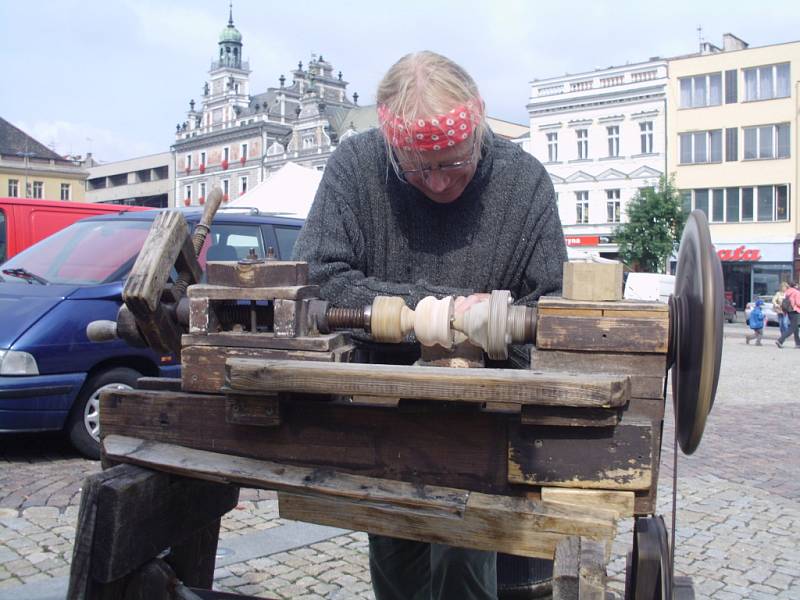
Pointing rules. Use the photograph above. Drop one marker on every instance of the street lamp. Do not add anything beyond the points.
(27, 156)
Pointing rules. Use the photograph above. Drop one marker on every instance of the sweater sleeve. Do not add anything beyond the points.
(332, 241)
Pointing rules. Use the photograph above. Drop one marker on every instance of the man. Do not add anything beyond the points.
(432, 203)
(793, 295)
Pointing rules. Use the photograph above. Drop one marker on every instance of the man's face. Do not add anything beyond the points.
(441, 175)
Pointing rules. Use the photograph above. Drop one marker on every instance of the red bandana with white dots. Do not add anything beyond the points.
(438, 132)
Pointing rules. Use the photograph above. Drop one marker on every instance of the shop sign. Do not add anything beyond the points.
(582, 240)
(740, 254)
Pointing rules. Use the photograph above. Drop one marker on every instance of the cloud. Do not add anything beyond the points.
(106, 145)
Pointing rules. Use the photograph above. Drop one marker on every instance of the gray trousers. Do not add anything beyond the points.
(407, 570)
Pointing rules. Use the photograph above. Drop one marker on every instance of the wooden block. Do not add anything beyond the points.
(592, 281)
(290, 318)
(602, 334)
(566, 566)
(592, 570)
(221, 292)
(260, 411)
(565, 416)
(505, 524)
(427, 383)
(611, 458)
(203, 367)
(202, 319)
(621, 503)
(647, 371)
(268, 273)
(232, 339)
(546, 303)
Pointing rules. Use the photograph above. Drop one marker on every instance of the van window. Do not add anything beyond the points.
(87, 252)
(232, 242)
(2, 236)
(287, 236)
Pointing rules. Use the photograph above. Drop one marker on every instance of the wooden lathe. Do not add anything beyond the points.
(540, 462)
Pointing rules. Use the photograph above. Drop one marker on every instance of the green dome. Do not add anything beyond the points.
(230, 34)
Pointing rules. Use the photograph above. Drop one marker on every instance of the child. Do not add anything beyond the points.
(756, 322)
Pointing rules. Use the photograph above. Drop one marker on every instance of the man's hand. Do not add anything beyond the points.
(464, 303)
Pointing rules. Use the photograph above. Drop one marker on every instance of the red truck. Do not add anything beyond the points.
(24, 221)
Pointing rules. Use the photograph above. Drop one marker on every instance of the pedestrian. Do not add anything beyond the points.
(790, 305)
(756, 322)
(431, 203)
(777, 302)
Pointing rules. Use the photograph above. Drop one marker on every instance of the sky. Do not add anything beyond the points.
(114, 77)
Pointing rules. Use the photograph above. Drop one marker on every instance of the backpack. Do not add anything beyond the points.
(786, 305)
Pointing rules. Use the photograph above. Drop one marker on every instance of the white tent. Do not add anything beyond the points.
(288, 192)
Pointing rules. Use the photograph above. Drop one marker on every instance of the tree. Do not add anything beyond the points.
(655, 223)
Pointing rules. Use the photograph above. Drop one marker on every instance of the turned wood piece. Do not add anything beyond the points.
(391, 320)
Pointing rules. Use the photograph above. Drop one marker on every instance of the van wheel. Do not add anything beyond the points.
(83, 426)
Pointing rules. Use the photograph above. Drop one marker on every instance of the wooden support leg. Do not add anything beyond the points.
(579, 570)
(129, 515)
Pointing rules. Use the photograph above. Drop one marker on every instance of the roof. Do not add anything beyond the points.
(14, 141)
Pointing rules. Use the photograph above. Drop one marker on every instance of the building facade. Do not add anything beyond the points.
(732, 144)
(235, 138)
(600, 135)
(143, 181)
(29, 169)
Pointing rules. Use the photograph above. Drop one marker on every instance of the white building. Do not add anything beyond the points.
(601, 136)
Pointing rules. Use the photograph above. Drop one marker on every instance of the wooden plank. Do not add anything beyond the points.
(320, 343)
(202, 319)
(193, 559)
(290, 318)
(427, 383)
(612, 458)
(220, 292)
(512, 525)
(154, 581)
(620, 502)
(172, 384)
(602, 334)
(373, 441)
(203, 367)
(557, 302)
(153, 265)
(592, 571)
(570, 312)
(267, 273)
(647, 371)
(641, 314)
(569, 416)
(260, 411)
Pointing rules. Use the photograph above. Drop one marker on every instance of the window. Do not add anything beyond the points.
(701, 147)
(226, 154)
(552, 147)
(732, 144)
(613, 140)
(188, 194)
(582, 207)
(765, 207)
(732, 205)
(242, 185)
(286, 237)
(731, 86)
(65, 191)
(188, 162)
(764, 83)
(203, 158)
(226, 184)
(38, 189)
(13, 188)
(701, 90)
(781, 202)
(718, 205)
(646, 134)
(308, 141)
(766, 141)
(747, 204)
(583, 143)
(244, 151)
(701, 200)
(612, 206)
(202, 192)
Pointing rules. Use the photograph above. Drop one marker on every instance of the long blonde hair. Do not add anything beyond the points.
(423, 84)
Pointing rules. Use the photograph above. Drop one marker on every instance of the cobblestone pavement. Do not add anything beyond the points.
(738, 519)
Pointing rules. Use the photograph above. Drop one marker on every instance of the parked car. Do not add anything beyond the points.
(769, 310)
(51, 374)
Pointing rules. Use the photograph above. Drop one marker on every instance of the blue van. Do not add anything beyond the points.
(51, 375)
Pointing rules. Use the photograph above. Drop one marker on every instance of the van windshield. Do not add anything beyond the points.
(85, 253)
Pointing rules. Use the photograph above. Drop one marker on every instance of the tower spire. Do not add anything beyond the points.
(230, 14)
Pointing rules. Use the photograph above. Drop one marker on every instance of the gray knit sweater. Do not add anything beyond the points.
(370, 234)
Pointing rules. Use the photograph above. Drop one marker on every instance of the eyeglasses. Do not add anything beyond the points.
(425, 172)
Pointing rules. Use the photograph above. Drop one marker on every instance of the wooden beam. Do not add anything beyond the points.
(222, 292)
(268, 273)
(428, 383)
(620, 502)
(317, 343)
(602, 334)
